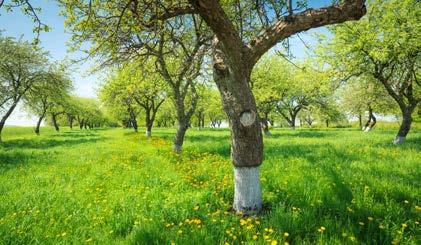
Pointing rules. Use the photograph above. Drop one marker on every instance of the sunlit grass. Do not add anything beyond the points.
(113, 186)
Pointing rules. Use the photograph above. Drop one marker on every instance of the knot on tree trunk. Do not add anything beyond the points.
(247, 118)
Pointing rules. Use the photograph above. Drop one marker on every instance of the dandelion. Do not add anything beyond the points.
(418, 208)
(63, 234)
(352, 238)
(274, 242)
(196, 207)
(406, 201)
(321, 229)
(286, 234)
(255, 237)
(243, 222)
(270, 230)
(404, 226)
(180, 232)
(286, 243)
(89, 240)
(370, 218)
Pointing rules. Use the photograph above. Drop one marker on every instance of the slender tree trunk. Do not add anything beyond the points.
(360, 121)
(81, 122)
(405, 125)
(292, 122)
(54, 119)
(246, 135)
(265, 125)
(327, 123)
(4, 118)
(71, 122)
(37, 128)
(371, 120)
(148, 123)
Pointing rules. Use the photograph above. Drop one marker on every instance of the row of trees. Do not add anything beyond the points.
(183, 42)
(27, 76)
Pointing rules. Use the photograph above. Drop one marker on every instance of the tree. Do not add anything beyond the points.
(361, 94)
(236, 48)
(385, 47)
(29, 10)
(21, 64)
(52, 89)
(132, 85)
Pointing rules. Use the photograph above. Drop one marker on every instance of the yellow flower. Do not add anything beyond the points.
(286, 243)
(370, 218)
(180, 232)
(381, 227)
(88, 240)
(406, 201)
(418, 208)
(404, 225)
(255, 237)
(243, 222)
(270, 230)
(286, 234)
(196, 208)
(274, 242)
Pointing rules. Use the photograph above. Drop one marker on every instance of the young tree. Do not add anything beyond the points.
(243, 32)
(384, 46)
(21, 64)
(52, 89)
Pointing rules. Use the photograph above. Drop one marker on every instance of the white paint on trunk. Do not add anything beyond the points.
(247, 118)
(176, 148)
(399, 140)
(367, 129)
(148, 133)
(247, 193)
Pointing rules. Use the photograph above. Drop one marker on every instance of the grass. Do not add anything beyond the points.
(112, 186)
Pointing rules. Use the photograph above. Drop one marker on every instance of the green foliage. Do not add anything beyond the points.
(383, 48)
(113, 186)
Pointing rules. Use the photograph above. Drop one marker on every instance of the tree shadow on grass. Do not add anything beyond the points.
(47, 143)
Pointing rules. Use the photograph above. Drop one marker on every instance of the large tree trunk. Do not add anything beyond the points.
(4, 118)
(179, 136)
(405, 125)
(246, 135)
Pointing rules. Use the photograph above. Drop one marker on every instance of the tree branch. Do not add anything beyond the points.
(295, 23)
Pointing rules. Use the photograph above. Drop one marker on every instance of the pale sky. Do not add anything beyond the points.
(18, 25)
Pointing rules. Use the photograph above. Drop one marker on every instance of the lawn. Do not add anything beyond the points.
(111, 186)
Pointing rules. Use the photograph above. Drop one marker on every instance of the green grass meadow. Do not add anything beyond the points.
(112, 186)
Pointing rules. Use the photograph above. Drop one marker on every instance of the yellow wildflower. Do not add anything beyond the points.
(274, 242)
(286, 234)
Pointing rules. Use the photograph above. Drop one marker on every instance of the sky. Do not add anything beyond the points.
(17, 25)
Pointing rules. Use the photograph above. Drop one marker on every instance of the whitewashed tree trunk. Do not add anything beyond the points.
(399, 140)
(247, 193)
(367, 129)
(148, 133)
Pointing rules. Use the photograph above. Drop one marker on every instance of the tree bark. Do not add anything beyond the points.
(4, 118)
(54, 119)
(360, 121)
(327, 123)
(233, 81)
(179, 136)
(371, 122)
(405, 125)
(265, 125)
(37, 128)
